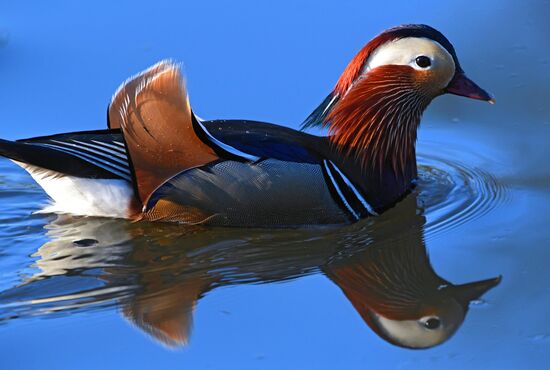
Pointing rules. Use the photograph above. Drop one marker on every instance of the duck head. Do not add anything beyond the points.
(376, 105)
(434, 320)
(401, 298)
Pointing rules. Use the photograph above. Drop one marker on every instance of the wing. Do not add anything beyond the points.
(154, 114)
(289, 183)
(90, 154)
(262, 140)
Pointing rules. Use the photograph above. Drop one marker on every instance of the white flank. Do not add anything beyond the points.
(82, 196)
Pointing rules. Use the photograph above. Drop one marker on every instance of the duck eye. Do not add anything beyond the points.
(423, 61)
(432, 323)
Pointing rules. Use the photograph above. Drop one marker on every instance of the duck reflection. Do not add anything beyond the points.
(394, 288)
(158, 273)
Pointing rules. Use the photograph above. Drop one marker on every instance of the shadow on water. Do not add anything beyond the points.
(157, 273)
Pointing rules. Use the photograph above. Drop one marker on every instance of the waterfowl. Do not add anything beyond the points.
(158, 161)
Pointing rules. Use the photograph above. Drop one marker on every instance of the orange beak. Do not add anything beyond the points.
(463, 86)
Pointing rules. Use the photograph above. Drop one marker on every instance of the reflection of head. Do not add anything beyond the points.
(398, 294)
(432, 322)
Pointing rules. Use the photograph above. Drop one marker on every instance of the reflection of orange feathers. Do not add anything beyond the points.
(167, 314)
(163, 305)
(394, 281)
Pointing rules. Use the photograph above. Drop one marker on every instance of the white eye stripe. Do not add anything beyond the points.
(406, 50)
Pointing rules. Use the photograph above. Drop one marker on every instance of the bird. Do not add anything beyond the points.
(159, 161)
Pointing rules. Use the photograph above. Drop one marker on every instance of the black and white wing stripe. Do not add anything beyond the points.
(209, 138)
(107, 152)
(346, 193)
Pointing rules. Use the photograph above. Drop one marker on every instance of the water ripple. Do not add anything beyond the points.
(451, 193)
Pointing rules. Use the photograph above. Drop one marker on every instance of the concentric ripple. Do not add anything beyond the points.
(451, 193)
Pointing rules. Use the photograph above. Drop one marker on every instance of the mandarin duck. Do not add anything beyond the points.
(158, 161)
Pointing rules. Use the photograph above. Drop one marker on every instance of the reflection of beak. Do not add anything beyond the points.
(465, 293)
(463, 86)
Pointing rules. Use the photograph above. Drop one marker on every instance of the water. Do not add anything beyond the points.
(99, 293)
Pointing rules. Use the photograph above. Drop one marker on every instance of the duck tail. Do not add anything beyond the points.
(38, 153)
(22, 153)
(75, 184)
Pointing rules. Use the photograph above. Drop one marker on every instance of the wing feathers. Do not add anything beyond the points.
(154, 114)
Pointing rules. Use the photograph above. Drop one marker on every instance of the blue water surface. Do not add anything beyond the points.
(60, 61)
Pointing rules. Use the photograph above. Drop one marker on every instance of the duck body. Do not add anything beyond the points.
(158, 161)
(265, 175)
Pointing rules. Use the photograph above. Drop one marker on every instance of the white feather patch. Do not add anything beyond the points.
(82, 196)
(404, 52)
